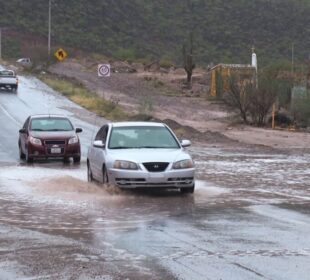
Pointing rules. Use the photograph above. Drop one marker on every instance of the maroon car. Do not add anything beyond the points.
(49, 136)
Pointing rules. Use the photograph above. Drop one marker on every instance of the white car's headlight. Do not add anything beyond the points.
(35, 141)
(123, 164)
(182, 164)
(73, 140)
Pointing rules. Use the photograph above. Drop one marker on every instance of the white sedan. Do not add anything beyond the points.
(140, 154)
(8, 80)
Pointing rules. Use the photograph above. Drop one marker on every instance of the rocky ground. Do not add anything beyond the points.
(162, 94)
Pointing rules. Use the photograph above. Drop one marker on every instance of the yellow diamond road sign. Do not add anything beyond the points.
(60, 54)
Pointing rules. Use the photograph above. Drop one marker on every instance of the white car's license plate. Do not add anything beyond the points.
(55, 150)
(157, 175)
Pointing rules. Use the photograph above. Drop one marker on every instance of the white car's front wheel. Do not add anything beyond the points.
(105, 179)
(188, 190)
(90, 177)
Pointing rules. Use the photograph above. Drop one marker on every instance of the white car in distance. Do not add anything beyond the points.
(25, 62)
(8, 80)
(140, 155)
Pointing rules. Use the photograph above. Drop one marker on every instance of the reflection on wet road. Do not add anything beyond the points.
(243, 218)
(272, 176)
(248, 219)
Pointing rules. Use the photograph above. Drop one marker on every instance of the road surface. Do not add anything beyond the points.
(248, 219)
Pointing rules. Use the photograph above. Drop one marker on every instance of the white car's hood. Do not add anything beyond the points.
(149, 155)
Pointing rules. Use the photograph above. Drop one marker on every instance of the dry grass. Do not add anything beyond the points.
(80, 95)
(163, 87)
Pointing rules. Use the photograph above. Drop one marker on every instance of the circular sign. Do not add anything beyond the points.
(104, 70)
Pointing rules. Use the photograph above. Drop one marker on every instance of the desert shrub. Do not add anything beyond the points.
(277, 66)
(11, 48)
(144, 60)
(281, 119)
(166, 62)
(239, 96)
(300, 109)
(145, 105)
(158, 83)
(125, 54)
(253, 102)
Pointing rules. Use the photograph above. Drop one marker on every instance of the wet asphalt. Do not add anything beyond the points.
(249, 217)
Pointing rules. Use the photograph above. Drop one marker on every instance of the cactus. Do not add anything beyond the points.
(188, 60)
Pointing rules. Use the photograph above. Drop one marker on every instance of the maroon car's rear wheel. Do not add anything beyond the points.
(21, 154)
(66, 160)
(77, 159)
(28, 158)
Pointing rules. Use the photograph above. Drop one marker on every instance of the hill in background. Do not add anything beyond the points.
(224, 31)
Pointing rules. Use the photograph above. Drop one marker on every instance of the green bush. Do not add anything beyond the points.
(125, 54)
(166, 62)
(300, 109)
(11, 48)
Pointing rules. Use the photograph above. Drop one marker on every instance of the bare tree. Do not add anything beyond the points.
(239, 96)
(253, 103)
(261, 103)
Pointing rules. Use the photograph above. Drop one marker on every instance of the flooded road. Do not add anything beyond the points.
(249, 217)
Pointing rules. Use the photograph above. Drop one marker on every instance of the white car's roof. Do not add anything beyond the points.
(125, 124)
(22, 59)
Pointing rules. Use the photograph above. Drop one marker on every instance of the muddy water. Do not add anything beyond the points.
(257, 175)
(250, 208)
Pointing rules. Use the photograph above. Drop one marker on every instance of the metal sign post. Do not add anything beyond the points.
(0, 44)
(273, 116)
(49, 28)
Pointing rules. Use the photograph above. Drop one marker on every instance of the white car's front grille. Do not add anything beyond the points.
(156, 166)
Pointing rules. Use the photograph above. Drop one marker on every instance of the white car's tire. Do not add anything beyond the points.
(90, 177)
(188, 190)
(105, 178)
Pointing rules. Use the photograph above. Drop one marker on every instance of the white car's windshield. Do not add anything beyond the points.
(138, 137)
(51, 124)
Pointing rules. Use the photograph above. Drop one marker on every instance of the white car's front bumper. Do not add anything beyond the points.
(175, 178)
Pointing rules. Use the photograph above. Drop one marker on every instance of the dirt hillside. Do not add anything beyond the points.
(161, 93)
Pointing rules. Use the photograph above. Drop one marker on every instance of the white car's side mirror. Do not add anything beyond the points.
(99, 144)
(185, 143)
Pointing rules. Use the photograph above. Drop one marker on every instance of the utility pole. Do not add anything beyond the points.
(49, 28)
(308, 74)
(273, 115)
(292, 63)
(0, 44)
